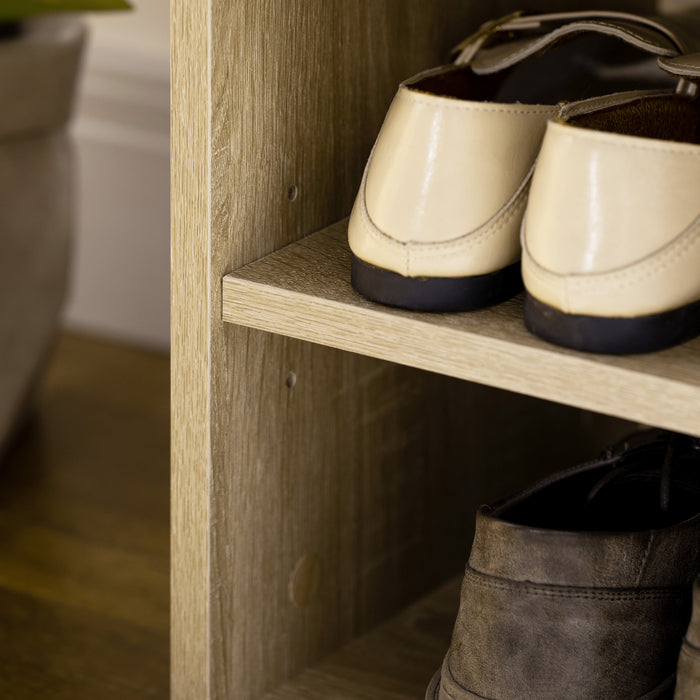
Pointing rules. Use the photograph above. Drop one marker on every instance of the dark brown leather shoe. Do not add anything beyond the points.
(579, 587)
(688, 684)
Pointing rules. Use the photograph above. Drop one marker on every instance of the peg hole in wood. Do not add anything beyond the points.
(291, 380)
(292, 193)
(303, 583)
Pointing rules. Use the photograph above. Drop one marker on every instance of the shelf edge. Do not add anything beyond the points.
(572, 380)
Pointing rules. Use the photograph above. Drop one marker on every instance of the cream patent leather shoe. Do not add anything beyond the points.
(436, 222)
(611, 238)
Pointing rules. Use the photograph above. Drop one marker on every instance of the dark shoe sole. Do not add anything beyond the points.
(614, 336)
(435, 293)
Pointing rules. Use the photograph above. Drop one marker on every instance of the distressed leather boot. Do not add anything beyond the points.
(688, 684)
(579, 588)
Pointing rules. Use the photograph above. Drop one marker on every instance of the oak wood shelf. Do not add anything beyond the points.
(303, 290)
(393, 662)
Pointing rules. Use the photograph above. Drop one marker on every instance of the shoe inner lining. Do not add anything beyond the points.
(585, 66)
(628, 503)
(670, 118)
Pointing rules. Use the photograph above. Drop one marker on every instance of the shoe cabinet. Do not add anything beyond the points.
(328, 453)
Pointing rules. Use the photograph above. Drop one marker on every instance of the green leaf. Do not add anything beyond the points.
(17, 9)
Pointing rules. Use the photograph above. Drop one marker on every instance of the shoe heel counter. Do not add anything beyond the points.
(601, 201)
(442, 167)
(612, 224)
(441, 170)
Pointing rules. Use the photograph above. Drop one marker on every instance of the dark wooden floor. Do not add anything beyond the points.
(84, 531)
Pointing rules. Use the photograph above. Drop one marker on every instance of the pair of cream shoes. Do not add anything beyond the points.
(548, 149)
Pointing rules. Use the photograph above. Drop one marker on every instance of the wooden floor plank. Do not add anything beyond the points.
(50, 650)
(84, 530)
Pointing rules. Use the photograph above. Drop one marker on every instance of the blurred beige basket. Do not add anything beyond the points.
(38, 69)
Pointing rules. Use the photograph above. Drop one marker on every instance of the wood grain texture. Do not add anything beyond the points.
(393, 662)
(84, 531)
(298, 92)
(304, 291)
(375, 470)
(190, 342)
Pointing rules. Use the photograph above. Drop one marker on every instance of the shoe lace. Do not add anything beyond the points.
(677, 444)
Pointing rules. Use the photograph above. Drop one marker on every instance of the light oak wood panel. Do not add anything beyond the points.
(190, 341)
(393, 662)
(304, 291)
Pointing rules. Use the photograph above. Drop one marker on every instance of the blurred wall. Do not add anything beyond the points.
(120, 278)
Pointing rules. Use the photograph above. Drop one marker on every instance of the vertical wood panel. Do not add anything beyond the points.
(191, 329)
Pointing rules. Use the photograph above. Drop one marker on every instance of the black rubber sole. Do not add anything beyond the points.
(613, 336)
(435, 293)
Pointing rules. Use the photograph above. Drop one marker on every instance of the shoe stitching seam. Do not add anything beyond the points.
(374, 231)
(645, 557)
(583, 594)
(626, 30)
(692, 653)
(546, 277)
(441, 686)
(620, 141)
(419, 251)
(447, 692)
(573, 109)
(459, 685)
(621, 279)
(641, 271)
(690, 650)
(471, 106)
(483, 233)
(470, 239)
(681, 64)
